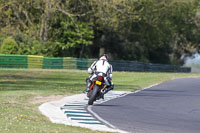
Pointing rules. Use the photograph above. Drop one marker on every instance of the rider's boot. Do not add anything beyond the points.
(105, 90)
(101, 95)
(88, 83)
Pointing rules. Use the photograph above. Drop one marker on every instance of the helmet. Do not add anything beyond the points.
(104, 56)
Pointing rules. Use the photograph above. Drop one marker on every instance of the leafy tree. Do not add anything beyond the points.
(147, 28)
(71, 35)
(74, 36)
(157, 31)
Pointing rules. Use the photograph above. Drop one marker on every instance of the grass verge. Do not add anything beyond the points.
(21, 92)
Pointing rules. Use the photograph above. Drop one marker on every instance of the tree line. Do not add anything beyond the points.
(156, 31)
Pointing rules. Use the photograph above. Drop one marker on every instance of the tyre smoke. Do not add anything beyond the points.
(193, 62)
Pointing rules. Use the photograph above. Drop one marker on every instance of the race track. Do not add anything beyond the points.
(170, 107)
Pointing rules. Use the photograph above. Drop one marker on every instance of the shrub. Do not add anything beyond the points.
(9, 46)
(27, 45)
(2, 38)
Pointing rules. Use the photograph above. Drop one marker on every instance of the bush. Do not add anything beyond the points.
(50, 49)
(2, 38)
(36, 48)
(28, 45)
(9, 46)
(20, 44)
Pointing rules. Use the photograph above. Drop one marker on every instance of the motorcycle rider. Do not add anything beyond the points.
(101, 66)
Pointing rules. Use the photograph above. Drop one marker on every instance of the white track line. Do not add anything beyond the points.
(89, 108)
(99, 118)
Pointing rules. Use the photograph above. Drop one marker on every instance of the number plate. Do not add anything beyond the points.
(98, 82)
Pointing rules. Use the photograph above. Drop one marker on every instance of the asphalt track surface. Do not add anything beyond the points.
(170, 107)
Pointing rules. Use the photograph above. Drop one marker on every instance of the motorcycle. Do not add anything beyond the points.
(95, 89)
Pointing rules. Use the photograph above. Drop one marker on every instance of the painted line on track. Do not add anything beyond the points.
(82, 116)
(74, 111)
(89, 107)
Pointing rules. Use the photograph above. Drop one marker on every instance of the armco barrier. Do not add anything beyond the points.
(39, 62)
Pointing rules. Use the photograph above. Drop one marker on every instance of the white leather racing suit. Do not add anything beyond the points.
(99, 67)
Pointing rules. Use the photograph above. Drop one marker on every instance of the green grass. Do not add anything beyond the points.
(18, 88)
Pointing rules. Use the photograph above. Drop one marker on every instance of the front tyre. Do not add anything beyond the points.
(93, 95)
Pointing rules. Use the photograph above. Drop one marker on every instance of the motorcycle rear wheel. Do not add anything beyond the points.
(93, 95)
